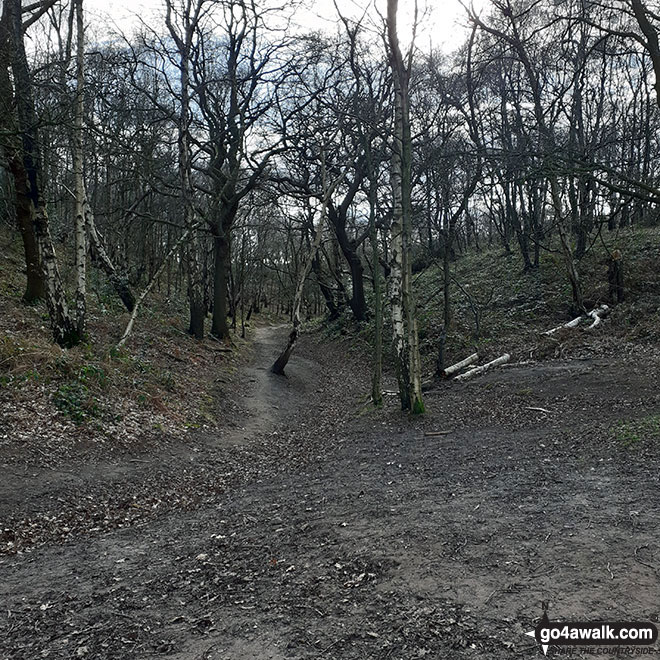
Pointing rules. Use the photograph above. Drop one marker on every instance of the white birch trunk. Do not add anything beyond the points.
(455, 368)
(597, 316)
(571, 324)
(396, 282)
(404, 321)
(484, 368)
(81, 196)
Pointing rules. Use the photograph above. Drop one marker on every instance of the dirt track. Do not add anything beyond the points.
(335, 536)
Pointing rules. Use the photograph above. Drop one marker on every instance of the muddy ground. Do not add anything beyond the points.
(310, 528)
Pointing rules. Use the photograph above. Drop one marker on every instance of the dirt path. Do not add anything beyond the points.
(269, 399)
(357, 537)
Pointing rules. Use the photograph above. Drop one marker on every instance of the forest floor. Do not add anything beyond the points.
(311, 527)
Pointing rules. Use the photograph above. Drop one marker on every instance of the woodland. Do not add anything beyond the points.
(327, 342)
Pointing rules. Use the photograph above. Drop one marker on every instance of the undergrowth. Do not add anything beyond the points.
(497, 308)
(161, 379)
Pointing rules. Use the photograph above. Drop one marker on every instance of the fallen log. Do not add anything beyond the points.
(597, 315)
(571, 324)
(484, 367)
(455, 368)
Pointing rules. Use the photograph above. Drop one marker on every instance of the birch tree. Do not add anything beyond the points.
(402, 302)
(63, 325)
(82, 203)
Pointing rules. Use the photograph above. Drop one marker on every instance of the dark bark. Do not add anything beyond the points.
(326, 290)
(221, 260)
(34, 290)
(62, 325)
(283, 359)
(197, 318)
(339, 217)
(615, 277)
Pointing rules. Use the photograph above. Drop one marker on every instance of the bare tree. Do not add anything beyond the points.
(63, 325)
(402, 303)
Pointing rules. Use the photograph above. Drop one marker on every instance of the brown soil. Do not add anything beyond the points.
(313, 529)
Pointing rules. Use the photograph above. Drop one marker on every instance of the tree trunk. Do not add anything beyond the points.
(404, 322)
(35, 288)
(221, 259)
(376, 381)
(195, 283)
(281, 362)
(78, 166)
(652, 40)
(184, 44)
(326, 290)
(357, 302)
(62, 325)
(446, 251)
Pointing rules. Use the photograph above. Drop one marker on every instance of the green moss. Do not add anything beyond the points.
(418, 407)
(631, 433)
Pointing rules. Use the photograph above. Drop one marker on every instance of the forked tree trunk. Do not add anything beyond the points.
(566, 248)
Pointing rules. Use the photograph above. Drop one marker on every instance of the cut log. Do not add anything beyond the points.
(484, 367)
(597, 315)
(455, 368)
(571, 324)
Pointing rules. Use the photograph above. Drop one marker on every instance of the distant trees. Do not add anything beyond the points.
(220, 155)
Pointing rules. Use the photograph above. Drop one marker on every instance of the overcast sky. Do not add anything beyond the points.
(442, 27)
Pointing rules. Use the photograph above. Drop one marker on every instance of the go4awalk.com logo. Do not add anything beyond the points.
(612, 633)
